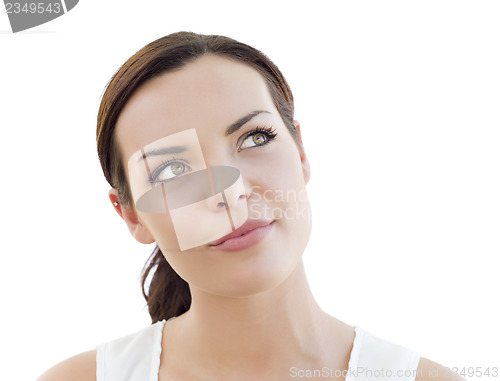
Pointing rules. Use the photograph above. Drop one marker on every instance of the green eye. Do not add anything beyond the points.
(254, 140)
(178, 168)
(169, 170)
(258, 137)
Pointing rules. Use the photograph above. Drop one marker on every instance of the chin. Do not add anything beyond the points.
(261, 272)
(243, 273)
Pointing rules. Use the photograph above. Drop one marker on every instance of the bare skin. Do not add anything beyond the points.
(264, 342)
(252, 315)
(82, 367)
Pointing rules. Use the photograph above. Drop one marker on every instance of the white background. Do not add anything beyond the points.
(399, 103)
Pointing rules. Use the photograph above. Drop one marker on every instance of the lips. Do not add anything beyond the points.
(248, 227)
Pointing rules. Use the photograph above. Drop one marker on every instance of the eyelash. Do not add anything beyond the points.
(269, 132)
(152, 179)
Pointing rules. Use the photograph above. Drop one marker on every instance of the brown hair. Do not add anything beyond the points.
(168, 293)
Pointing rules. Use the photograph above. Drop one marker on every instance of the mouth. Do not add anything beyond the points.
(248, 234)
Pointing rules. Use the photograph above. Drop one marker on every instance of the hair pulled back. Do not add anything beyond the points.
(168, 294)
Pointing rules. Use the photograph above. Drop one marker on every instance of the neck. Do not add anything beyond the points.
(283, 326)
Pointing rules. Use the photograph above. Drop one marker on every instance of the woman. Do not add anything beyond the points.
(197, 138)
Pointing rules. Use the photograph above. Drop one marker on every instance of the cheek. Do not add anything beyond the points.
(196, 266)
(162, 229)
(287, 197)
(278, 187)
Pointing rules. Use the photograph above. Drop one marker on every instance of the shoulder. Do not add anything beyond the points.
(81, 367)
(431, 371)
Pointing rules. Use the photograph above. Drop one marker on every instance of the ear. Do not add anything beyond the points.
(129, 215)
(306, 168)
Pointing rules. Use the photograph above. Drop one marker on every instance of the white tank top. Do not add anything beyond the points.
(137, 358)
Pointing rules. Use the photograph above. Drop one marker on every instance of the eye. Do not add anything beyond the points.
(169, 170)
(257, 137)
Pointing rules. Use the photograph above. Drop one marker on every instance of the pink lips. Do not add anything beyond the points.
(248, 234)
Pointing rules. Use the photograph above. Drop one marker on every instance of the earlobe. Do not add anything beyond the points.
(129, 215)
(115, 200)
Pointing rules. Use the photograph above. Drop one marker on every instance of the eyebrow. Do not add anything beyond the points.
(240, 122)
(163, 151)
(179, 149)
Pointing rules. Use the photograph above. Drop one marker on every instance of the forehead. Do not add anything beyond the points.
(208, 93)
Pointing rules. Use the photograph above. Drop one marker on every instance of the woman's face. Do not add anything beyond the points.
(202, 99)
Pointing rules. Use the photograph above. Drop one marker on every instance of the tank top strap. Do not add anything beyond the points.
(373, 358)
(135, 357)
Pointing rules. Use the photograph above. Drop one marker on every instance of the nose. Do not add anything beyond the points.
(228, 188)
(233, 197)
